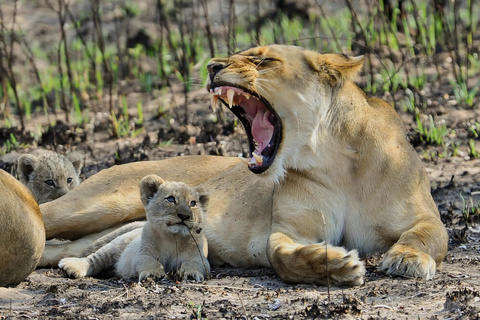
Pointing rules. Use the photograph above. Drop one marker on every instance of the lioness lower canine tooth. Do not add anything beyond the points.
(258, 158)
(213, 101)
(230, 95)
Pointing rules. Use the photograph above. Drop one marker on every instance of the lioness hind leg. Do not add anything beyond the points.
(314, 263)
(418, 252)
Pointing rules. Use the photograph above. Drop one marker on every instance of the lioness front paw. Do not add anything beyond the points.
(345, 267)
(154, 273)
(402, 260)
(319, 264)
(74, 267)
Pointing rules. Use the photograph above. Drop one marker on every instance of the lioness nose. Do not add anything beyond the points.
(183, 217)
(214, 67)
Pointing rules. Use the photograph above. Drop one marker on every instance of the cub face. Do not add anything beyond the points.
(51, 175)
(173, 206)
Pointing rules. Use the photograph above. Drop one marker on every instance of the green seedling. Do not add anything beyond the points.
(409, 102)
(121, 126)
(463, 94)
(166, 143)
(139, 120)
(474, 130)
(472, 149)
(468, 207)
(81, 116)
(433, 134)
(11, 144)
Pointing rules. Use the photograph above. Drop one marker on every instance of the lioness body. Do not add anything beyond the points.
(335, 167)
(22, 234)
(171, 240)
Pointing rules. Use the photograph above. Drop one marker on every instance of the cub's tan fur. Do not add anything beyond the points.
(51, 175)
(337, 174)
(22, 234)
(171, 239)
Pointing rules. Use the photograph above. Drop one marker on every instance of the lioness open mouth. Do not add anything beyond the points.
(261, 122)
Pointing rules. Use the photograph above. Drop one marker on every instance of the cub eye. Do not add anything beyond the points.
(50, 183)
(171, 199)
(69, 180)
(193, 203)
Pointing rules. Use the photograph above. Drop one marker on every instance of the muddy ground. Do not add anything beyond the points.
(231, 293)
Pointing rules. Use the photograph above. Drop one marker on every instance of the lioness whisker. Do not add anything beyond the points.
(268, 70)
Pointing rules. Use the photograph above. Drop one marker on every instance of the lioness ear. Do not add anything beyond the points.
(203, 196)
(77, 161)
(149, 186)
(25, 166)
(339, 67)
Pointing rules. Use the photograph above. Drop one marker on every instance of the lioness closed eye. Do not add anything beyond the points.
(51, 175)
(171, 240)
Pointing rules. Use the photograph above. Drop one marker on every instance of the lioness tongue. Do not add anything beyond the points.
(262, 129)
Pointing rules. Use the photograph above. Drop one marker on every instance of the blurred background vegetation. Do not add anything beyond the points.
(64, 62)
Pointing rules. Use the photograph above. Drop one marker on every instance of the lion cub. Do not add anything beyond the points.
(51, 175)
(170, 241)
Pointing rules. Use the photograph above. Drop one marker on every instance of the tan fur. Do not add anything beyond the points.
(22, 234)
(51, 175)
(170, 241)
(344, 175)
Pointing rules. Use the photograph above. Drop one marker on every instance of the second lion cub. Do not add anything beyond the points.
(170, 241)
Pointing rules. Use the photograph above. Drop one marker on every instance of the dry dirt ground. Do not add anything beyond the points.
(454, 293)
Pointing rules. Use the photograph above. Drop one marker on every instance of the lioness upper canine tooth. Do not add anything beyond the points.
(258, 158)
(230, 95)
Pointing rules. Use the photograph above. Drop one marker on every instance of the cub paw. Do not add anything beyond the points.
(192, 274)
(74, 267)
(154, 273)
(405, 261)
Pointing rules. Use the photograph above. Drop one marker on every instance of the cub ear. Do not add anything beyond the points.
(338, 67)
(25, 166)
(77, 161)
(203, 196)
(149, 186)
